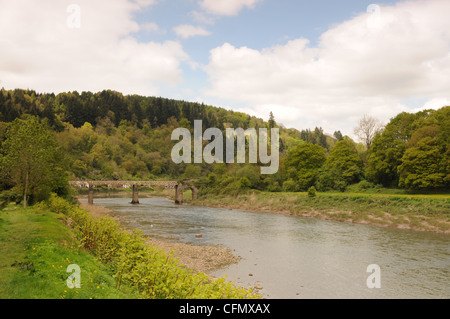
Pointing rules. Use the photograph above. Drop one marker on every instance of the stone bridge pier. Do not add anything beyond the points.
(180, 188)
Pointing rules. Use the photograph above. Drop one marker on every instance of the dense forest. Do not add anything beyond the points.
(109, 136)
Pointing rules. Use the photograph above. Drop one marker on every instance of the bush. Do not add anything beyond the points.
(312, 192)
(274, 187)
(290, 186)
(244, 182)
(58, 205)
(365, 185)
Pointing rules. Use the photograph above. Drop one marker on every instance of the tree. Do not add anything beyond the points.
(30, 158)
(303, 164)
(387, 150)
(343, 167)
(271, 121)
(423, 166)
(367, 128)
(338, 136)
(403, 132)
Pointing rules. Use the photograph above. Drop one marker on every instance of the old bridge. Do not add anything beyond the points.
(179, 188)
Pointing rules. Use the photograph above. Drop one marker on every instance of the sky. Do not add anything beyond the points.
(322, 63)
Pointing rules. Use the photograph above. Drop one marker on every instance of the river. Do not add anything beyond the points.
(295, 257)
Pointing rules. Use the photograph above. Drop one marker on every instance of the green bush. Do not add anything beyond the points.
(244, 182)
(290, 186)
(312, 191)
(365, 184)
(58, 205)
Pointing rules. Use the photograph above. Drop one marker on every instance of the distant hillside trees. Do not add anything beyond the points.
(108, 135)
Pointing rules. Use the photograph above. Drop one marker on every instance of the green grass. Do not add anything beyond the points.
(37, 248)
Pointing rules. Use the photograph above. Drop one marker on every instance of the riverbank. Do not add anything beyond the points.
(413, 212)
(199, 258)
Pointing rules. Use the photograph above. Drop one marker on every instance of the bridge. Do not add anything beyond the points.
(179, 188)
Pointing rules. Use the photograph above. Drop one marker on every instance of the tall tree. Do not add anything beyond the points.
(30, 158)
(367, 128)
(271, 121)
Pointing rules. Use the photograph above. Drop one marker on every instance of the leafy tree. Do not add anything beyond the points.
(426, 161)
(305, 161)
(338, 135)
(31, 160)
(387, 150)
(423, 166)
(402, 145)
(344, 161)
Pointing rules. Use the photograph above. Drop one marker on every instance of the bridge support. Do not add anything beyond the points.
(179, 190)
(91, 195)
(135, 199)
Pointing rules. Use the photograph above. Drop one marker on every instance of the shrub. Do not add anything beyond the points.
(312, 191)
(290, 186)
(58, 205)
(274, 187)
(365, 185)
(244, 182)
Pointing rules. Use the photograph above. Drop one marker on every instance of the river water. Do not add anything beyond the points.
(294, 257)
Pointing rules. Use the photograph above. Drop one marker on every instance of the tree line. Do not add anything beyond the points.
(106, 135)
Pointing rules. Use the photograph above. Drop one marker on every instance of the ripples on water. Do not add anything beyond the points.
(295, 257)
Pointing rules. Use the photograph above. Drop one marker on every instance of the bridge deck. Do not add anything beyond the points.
(123, 184)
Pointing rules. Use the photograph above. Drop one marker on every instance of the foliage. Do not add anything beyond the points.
(312, 191)
(423, 166)
(344, 163)
(303, 164)
(110, 136)
(412, 151)
(31, 159)
(290, 186)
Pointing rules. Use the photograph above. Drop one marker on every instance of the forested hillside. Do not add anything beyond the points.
(107, 135)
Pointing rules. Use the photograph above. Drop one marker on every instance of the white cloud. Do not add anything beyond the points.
(226, 7)
(186, 31)
(40, 50)
(357, 68)
(150, 27)
(202, 17)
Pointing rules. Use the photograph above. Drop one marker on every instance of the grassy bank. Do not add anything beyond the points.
(37, 248)
(39, 243)
(416, 212)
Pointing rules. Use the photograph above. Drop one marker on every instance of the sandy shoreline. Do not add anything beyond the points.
(199, 258)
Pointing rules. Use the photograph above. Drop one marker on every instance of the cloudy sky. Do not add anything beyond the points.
(312, 63)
